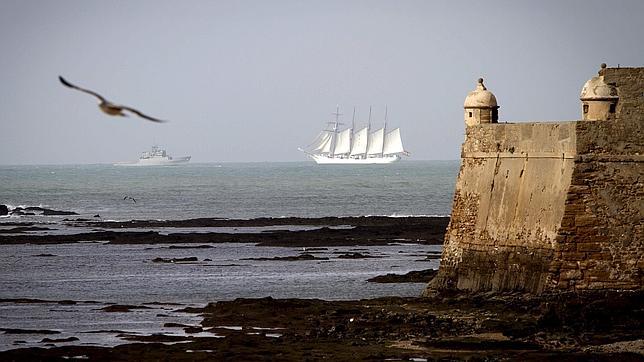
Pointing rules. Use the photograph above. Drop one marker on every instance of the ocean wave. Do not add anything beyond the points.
(411, 215)
(40, 211)
(24, 206)
(367, 215)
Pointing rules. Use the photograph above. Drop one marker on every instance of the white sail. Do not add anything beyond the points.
(317, 141)
(376, 142)
(322, 143)
(393, 143)
(326, 146)
(343, 142)
(359, 145)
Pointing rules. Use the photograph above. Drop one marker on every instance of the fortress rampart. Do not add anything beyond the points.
(554, 205)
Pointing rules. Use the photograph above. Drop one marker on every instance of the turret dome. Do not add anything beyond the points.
(480, 97)
(598, 98)
(596, 89)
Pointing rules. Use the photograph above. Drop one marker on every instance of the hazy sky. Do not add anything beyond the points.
(253, 80)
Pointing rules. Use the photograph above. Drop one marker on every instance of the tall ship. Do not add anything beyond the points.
(350, 146)
(156, 157)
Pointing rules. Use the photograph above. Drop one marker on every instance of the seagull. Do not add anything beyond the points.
(129, 197)
(107, 106)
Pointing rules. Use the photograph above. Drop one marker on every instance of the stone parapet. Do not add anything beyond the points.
(521, 140)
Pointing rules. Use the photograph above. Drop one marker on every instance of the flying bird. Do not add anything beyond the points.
(109, 107)
(129, 197)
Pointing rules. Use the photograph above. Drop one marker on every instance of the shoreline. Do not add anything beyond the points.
(488, 326)
(356, 231)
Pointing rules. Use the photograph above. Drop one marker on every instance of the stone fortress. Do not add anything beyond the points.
(551, 206)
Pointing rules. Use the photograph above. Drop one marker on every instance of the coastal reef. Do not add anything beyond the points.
(290, 232)
(463, 326)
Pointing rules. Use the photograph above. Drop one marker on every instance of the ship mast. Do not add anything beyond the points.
(384, 133)
(334, 137)
(366, 155)
(353, 119)
(353, 130)
(385, 127)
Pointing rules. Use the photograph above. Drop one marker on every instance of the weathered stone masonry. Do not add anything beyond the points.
(551, 206)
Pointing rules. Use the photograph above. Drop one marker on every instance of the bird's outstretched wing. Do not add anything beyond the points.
(129, 197)
(138, 113)
(67, 84)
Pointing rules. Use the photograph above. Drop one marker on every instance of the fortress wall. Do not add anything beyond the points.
(508, 205)
(600, 243)
(551, 206)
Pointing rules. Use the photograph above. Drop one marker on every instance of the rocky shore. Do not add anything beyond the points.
(598, 326)
(327, 231)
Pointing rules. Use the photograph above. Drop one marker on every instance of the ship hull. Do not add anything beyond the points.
(157, 162)
(325, 160)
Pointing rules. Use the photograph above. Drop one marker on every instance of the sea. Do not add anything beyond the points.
(234, 190)
(97, 274)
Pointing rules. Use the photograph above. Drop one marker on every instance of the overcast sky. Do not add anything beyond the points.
(253, 80)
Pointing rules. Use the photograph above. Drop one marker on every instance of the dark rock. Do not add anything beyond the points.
(122, 308)
(192, 330)
(304, 256)
(421, 276)
(157, 337)
(193, 310)
(28, 331)
(49, 212)
(61, 340)
(457, 326)
(23, 300)
(4, 210)
(366, 231)
(162, 303)
(473, 344)
(32, 210)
